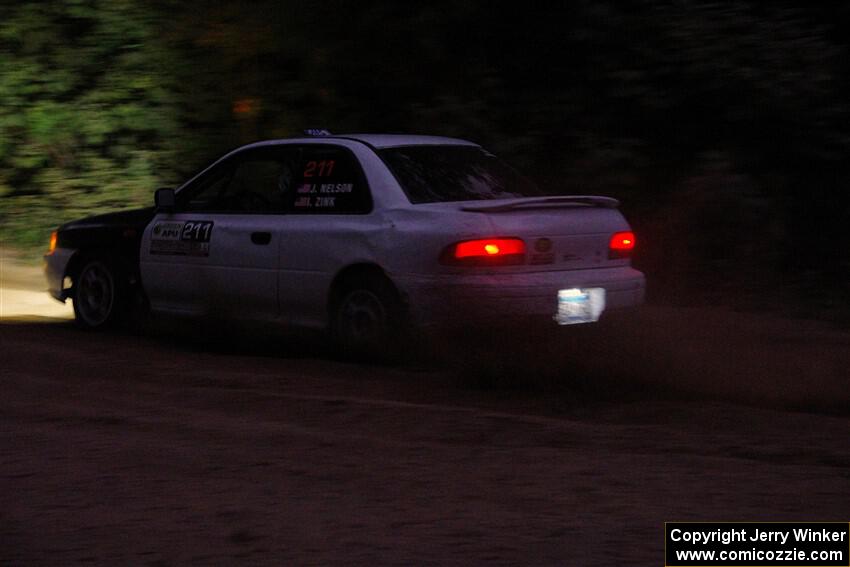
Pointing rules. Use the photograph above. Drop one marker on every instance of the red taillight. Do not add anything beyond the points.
(489, 247)
(621, 244)
(485, 252)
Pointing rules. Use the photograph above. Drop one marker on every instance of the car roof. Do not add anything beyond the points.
(379, 141)
(397, 140)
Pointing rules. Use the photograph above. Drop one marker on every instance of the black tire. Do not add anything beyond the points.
(100, 294)
(367, 319)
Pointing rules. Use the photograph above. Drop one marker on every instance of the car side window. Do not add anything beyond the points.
(328, 180)
(255, 181)
(202, 194)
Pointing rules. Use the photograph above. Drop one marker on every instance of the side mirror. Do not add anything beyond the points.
(164, 200)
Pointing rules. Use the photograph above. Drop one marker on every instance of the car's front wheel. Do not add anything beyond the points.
(99, 296)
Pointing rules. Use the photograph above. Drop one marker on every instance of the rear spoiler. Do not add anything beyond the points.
(546, 203)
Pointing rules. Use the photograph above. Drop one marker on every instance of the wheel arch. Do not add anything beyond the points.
(82, 255)
(393, 340)
(353, 272)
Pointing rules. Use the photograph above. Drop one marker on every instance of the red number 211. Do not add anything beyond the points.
(322, 168)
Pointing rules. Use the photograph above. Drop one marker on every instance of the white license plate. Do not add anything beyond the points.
(580, 305)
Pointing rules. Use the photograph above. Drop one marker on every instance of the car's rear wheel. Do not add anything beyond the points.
(99, 296)
(367, 318)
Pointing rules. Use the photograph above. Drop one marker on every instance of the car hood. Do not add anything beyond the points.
(135, 218)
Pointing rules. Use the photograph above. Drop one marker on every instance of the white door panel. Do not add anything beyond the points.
(303, 297)
(242, 268)
(172, 268)
(233, 274)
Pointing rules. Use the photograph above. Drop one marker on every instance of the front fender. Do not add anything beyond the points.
(55, 269)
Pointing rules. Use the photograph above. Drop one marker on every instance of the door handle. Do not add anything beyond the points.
(261, 238)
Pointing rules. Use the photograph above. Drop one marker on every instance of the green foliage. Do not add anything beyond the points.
(88, 119)
(101, 102)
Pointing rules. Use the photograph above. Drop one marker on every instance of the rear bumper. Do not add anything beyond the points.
(55, 268)
(457, 299)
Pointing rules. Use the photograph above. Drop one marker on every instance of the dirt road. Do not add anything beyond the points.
(22, 291)
(143, 450)
(158, 450)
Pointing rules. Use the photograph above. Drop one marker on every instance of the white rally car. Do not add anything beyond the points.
(357, 234)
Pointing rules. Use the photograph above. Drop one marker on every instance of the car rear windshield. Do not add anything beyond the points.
(433, 174)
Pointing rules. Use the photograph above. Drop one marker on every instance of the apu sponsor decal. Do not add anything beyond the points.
(167, 230)
(189, 238)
